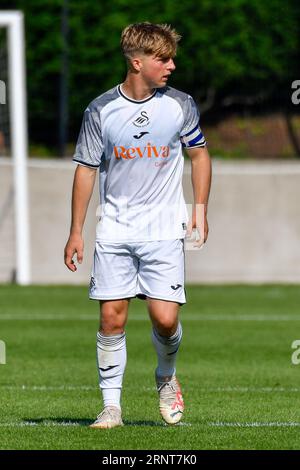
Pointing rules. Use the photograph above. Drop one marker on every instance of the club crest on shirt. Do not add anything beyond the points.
(142, 120)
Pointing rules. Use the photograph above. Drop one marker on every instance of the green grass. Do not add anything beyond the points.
(240, 387)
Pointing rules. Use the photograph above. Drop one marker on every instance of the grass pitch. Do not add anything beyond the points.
(240, 387)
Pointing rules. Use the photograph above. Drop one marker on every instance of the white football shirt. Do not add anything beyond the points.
(138, 147)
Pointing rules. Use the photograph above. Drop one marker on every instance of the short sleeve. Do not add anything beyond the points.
(89, 146)
(191, 134)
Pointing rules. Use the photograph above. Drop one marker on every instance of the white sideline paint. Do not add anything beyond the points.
(276, 424)
(253, 389)
(34, 423)
(46, 388)
(51, 424)
(142, 317)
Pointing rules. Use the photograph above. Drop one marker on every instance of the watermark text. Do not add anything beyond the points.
(2, 92)
(2, 352)
(296, 354)
(296, 94)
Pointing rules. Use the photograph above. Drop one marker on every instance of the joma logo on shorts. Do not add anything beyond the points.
(148, 151)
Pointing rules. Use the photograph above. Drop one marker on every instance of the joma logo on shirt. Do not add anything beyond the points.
(148, 151)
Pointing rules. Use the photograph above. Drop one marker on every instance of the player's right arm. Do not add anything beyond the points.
(83, 185)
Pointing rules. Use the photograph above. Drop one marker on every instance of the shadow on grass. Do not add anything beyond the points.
(144, 423)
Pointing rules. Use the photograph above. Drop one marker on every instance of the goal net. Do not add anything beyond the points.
(14, 225)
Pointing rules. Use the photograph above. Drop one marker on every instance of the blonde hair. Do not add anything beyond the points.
(151, 39)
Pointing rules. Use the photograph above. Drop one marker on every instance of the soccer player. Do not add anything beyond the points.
(134, 133)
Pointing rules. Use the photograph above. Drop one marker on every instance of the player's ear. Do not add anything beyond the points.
(136, 63)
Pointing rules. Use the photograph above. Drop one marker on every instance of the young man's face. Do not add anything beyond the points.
(156, 70)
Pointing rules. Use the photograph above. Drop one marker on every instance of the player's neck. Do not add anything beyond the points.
(135, 88)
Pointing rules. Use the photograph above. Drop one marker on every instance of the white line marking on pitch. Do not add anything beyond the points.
(64, 424)
(255, 425)
(41, 388)
(229, 317)
(35, 423)
(46, 388)
(275, 424)
(240, 389)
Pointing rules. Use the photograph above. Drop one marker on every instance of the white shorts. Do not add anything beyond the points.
(153, 269)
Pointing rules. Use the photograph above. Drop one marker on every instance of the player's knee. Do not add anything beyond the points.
(112, 321)
(166, 325)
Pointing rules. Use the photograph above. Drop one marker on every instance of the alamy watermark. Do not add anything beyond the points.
(2, 92)
(296, 94)
(296, 354)
(2, 352)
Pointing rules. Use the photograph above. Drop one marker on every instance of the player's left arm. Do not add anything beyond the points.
(201, 182)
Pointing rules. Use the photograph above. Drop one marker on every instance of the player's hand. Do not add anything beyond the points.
(74, 245)
(198, 222)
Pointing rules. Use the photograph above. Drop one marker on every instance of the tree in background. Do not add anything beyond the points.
(233, 52)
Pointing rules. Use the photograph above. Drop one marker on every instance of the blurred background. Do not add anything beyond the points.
(238, 59)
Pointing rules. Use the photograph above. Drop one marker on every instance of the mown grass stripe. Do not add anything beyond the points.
(142, 317)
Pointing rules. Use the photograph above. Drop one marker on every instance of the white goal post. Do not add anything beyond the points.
(14, 22)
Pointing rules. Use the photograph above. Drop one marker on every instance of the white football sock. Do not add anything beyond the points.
(166, 349)
(111, 362)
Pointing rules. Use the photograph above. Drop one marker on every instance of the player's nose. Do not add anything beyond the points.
(171, 65)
